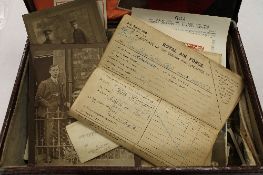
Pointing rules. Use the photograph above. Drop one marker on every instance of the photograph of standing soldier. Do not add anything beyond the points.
(49, 100)
(79, 36)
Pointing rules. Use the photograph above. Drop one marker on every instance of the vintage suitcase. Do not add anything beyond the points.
(14, 131)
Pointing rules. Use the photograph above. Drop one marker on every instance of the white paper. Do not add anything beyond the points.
(209, 26)
(87, 143)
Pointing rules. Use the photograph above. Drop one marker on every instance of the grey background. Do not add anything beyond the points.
(13, 38)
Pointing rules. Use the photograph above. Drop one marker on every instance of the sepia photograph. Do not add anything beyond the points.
(75, 22)
(60, 75)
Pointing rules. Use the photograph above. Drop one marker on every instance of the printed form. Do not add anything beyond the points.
(207, 32)
(156, 97)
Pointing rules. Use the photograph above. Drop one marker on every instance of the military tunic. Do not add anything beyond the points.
(49, 103)
(79, 37)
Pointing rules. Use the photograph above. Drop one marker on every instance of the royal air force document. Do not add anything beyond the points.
(156, 97)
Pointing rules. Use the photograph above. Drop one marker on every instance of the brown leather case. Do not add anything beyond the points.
(13, 135)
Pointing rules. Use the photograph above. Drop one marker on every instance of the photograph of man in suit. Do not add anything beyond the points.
(49, 101)
(79, 36)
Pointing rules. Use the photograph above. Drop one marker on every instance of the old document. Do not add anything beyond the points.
(157, 97)
(77, 22)
(202, 43)
(87, 143)
(198, 42)
(213, 27)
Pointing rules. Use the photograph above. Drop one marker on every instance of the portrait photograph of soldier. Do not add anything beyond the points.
(75, 22)
(51, 106)
(48, 37)
(79, 37)
(60, 75)
(49, 101)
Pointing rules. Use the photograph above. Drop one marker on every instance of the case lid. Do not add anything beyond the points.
(224, 8)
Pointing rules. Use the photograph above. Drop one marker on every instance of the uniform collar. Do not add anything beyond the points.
(54, 80)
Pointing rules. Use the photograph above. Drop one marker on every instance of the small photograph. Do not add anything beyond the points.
(75, 22)
(60, 75)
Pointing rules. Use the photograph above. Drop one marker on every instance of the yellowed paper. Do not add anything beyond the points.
(87, 143)
(213, 56)
(168, 69)
(142, 120)
(212, 27)
(156, 97)
(198, 42)
(201, 43)
(85, 151)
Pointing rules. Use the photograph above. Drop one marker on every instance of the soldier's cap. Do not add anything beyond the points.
(47, 31)
(53, 65)
(73, 22)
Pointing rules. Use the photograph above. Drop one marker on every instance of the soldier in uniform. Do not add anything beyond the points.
(50, 100)
(47, 34)
(79, 36)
